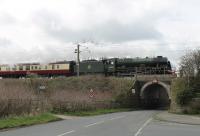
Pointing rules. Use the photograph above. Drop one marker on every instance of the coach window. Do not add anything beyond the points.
(45, 67)
(57, 66)
(53, 67)
(0, 68)
(20, 67)
(27, 67)
(35, 67)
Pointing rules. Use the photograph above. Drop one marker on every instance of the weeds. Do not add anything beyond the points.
(25, 96)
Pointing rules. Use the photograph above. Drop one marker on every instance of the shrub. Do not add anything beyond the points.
(185, 96)
(195, 104)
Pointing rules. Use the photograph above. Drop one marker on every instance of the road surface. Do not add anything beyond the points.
(136, 123)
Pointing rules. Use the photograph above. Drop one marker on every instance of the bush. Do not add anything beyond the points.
(185, 96)
(196, 85)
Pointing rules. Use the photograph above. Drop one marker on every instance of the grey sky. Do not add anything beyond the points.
(47, 30)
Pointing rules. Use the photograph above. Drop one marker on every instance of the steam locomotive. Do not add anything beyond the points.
(127, 66)
(108, 67)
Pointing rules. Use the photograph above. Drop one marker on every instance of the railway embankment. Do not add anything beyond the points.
(33, 96)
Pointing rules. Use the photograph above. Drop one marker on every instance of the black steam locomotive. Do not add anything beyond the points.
(126, 66)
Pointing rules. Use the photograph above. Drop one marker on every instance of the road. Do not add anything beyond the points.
(136, 123)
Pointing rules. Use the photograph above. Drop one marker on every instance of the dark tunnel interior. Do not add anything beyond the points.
(155, 96)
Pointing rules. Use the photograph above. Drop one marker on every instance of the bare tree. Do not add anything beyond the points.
(196, 56)
(190, 63)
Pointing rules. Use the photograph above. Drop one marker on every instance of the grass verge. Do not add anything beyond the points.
(96, 112)
(12, 122)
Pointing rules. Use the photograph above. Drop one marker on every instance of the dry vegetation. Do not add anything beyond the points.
(35, 95)
(186, 89)
(185, 98)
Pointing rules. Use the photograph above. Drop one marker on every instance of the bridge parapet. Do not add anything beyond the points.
(145, 78)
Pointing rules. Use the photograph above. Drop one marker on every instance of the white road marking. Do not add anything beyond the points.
(96, 123)
(72, 131)
(100, 122)
(142, 127)
(117, 117)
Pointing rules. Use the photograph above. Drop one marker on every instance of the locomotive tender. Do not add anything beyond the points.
(112, 66)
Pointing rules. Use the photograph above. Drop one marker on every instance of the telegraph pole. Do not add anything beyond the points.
(78, 59)
(77, 50)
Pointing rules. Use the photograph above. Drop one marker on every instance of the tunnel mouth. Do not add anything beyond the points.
(155, 96)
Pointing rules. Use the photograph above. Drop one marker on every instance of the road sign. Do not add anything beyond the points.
(91, 94)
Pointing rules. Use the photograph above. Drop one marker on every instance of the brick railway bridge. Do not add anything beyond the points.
(152, 91)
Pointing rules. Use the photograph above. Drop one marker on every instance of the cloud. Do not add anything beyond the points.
(111, 31)
(5, 42)
(45, 54)
(7, 19)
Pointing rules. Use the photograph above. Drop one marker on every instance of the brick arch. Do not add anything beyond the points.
(164, 85)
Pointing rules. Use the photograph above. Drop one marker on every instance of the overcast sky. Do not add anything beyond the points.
(48, 30)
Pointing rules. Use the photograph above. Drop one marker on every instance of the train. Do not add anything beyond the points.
(61, 68)
(107, 67)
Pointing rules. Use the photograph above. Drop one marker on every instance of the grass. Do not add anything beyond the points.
(96, 112)
(20, 121)
(12, 122)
